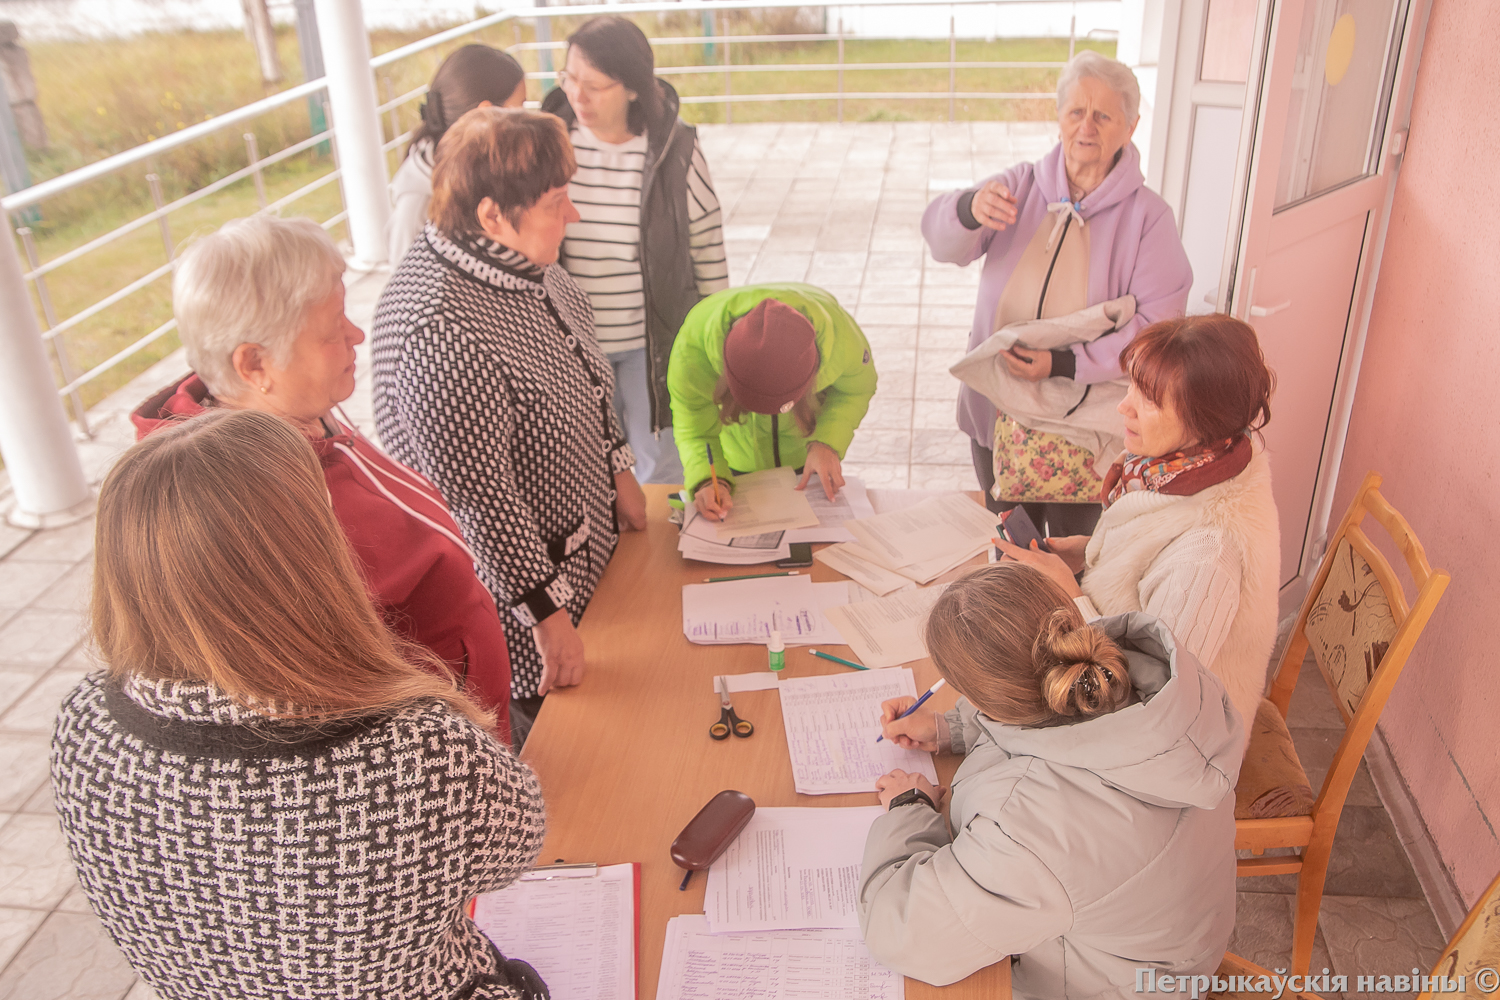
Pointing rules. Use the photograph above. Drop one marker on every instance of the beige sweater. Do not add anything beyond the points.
(1206, 565)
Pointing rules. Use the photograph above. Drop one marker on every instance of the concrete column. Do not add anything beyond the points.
(35, 439)
(351, 92)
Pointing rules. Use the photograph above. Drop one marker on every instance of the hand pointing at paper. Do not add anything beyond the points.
(823, 461)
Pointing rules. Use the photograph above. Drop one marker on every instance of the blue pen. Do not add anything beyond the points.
(930, 692)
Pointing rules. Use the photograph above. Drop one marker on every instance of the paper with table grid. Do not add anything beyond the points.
(831, 724)
(770, 965)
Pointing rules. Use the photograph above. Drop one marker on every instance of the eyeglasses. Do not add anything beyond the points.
(568, 81)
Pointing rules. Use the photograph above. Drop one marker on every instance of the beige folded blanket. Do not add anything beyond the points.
(1085, 415)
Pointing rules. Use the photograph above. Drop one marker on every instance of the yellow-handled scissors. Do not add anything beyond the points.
(728, 721)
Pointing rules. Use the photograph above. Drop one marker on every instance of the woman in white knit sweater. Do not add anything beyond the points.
(1189, 531)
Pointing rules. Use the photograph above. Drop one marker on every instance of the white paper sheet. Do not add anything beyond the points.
(832, 722)
(747, 611)
(699, 539)
(947, 525)
(790, 869)
(578, 933)
(756, 680)
(767, 501)
(877, 579)
(852, 502)
(770, 965)
(888, 631)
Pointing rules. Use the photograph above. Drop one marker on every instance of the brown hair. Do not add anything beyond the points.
(219, 559)
(510, 156)
(470, 74)
(1009, 639)
(1208, 369)
(804, 411)
(621, 51)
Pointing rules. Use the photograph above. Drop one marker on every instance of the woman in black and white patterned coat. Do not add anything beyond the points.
(264, 794)
(489, 381)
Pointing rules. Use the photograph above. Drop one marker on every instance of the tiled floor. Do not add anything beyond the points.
(834, 205)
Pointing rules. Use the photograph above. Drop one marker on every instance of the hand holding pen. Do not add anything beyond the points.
(908, 728)
(712, 499)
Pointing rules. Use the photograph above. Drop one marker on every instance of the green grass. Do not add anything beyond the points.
(99, 98)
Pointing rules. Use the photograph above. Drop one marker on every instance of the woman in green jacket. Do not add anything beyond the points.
(764, 376)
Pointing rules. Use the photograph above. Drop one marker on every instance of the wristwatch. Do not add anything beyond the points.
(910, 796)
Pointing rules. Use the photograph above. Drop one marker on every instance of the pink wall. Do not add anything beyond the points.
(1427, 417)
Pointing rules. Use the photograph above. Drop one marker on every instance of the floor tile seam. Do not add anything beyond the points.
(21, 949)
(911, 429)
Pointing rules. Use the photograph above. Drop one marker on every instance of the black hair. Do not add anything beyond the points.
(469, 75)
(619, 50)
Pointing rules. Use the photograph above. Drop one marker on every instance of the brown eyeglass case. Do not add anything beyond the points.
(712, 831)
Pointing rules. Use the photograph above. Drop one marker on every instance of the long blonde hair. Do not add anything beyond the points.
(1009, 639)
(219, 559)
(804, 411)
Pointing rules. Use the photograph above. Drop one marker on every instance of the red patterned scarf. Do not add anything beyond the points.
(1181, 473)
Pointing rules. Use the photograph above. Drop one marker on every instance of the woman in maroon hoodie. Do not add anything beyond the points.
(260, 306)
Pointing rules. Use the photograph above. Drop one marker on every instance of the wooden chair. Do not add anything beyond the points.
(1361, 631)
(1473, 953)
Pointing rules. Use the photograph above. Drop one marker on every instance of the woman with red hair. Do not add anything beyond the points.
(1189, 531)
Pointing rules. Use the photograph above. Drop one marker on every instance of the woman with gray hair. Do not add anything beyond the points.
(1079, 251)
(260, 307)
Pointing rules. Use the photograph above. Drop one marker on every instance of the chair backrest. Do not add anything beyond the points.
(1475, 946)
(1360, 628)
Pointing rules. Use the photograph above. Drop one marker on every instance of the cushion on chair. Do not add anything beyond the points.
(1350, 626)
(1272, 782)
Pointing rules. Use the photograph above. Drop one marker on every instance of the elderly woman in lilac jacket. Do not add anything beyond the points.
(1073, 230)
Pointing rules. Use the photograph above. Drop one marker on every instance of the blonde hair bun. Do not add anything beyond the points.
(1082, 673)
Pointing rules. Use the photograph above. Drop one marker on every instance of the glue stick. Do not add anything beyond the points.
(776, 651)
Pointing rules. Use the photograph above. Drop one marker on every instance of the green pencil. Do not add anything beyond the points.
(837, 659)
(752, 576)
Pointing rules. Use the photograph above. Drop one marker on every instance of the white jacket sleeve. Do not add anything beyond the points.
(1194, 586)
(408, 216)
(940, 910)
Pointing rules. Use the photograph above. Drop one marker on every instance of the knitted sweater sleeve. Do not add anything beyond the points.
(464, 440)
(705, 227)
(1193, 586)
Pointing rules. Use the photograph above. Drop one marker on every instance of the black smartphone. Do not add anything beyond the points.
(1018, 529)
(801, 555)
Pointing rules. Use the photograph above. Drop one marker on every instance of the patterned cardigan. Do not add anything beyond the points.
(489, 382)
(229, 859)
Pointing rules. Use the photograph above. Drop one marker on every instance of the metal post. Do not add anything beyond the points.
(952, 65)
(544, 56)
(356, 138)
(252, 153)
(841, 70)
(1072, 35)
(154, 182)
(34, 436)
(708, 32)
(59, 349)
(728, 89)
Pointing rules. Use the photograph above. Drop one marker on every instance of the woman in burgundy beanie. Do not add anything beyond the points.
(765, 376)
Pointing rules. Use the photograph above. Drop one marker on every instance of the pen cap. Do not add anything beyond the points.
(775, 645)
(712, 831)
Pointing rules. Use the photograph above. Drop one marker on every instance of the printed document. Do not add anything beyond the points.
(770, 965)
(748, 611)
(699, 539)
(767, 501)
(852, 502)
(873, 577)
(790, 869)
(888, 631)
(578, 932)
(948, 525)
(832, 721)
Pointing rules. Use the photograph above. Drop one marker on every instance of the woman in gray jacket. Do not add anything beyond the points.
(1094, 809)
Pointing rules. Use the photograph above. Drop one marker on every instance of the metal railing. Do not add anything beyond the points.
(55, 329)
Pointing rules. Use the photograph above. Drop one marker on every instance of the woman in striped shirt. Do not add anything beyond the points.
(650, 241)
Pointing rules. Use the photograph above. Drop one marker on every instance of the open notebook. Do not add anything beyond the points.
(579, 928)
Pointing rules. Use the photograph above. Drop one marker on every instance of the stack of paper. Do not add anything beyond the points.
(740, 611)
(887, 631)
(832, 722)
(577, 931)
(790, 869)
(852, 502)
(700, 540)
(774, 965)
(767, 501)
(924, 541)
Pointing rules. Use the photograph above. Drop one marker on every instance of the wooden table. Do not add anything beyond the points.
(625, 759)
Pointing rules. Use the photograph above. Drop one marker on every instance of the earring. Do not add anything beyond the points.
(264, 390)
